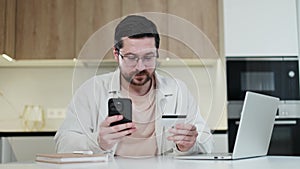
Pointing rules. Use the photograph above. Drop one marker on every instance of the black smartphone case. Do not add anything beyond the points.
(120, 106)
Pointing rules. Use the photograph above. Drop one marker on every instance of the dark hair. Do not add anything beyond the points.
(134, 26)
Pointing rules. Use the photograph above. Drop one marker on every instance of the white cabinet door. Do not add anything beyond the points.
(25, 148)
(220, 143)
(260, 28)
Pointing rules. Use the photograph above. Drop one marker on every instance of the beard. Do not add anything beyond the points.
(138, 78)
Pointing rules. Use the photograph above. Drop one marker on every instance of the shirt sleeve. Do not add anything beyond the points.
(79, 131)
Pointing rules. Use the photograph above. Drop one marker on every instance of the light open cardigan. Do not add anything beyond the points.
(88, 108)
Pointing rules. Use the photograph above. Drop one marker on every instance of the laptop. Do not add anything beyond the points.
(254, 131)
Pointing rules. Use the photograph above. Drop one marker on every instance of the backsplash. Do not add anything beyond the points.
(52, 88)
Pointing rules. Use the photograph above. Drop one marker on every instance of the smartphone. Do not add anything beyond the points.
(120, 106)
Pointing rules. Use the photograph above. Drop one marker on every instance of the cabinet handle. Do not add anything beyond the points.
(281, 122)
(286, 122)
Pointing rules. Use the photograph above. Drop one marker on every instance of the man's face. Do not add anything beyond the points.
(137, 60)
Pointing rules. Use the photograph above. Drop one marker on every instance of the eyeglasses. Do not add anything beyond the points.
(132, 60)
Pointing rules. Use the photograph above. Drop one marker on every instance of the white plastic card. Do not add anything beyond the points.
(169, 121)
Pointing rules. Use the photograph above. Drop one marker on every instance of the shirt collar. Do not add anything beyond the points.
(161, 83)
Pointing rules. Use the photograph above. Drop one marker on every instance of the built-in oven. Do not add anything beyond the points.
(276, 76)
(285, 137)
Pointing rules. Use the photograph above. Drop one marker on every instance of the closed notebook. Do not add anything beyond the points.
(62, 158)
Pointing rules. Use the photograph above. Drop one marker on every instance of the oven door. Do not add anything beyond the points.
(285, 138)
(271, 76)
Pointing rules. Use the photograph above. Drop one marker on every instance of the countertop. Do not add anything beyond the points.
(268, 162)
(26, 133)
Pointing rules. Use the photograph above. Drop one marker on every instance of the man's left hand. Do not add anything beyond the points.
(184, 136)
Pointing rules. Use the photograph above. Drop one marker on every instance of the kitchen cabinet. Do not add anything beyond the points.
(7, 27)
(260, 28)
(99, 15)
(90, 16)
(159, 6)
(23, 146)
(205, 19)
(220, 141)
(58, 29)
(2, 25)
(204, 15)
(45, 29)
(137, 6)
(201, 13)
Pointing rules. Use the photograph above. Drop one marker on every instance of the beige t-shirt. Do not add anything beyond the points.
(143, 141)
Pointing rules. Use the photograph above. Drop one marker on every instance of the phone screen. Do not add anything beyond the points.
(120, 106)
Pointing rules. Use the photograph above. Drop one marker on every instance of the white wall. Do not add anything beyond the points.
(51, 87)
(260, 28)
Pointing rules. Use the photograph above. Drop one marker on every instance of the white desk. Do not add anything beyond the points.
(271, 162)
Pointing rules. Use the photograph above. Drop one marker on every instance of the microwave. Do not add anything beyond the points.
(276, 76)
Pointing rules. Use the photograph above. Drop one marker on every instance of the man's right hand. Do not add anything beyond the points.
(110, 135)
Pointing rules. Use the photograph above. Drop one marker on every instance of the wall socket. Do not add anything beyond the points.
(56, 113)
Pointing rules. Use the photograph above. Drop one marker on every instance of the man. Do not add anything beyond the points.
(87, 125)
